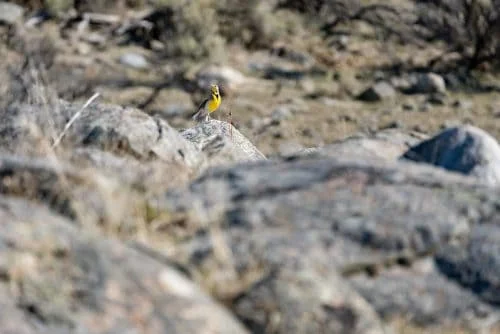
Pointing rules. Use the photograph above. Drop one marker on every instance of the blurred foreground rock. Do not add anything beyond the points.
(278, 241)
(56, 279)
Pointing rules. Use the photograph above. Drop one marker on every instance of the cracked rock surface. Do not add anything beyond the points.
(384, 235)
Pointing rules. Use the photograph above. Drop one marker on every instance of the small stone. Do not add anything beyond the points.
(408, 107)
(134, 60)
(418, 128)
(348, 118)
(10, 13)
(308, 133)
(437, 99)
(342, 42)
(393, 125)
(83, 49)
(400, 83)
(277, 135)
(427, 83)
(224, 75)
(425, 107)
(281, 113)
(307, 86)
(329, 102)
(462, 104)
(95, 38)
(378, 92)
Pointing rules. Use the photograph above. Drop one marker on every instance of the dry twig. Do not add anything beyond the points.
(73, 119)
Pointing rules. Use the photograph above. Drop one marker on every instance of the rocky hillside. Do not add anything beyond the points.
(349, 183)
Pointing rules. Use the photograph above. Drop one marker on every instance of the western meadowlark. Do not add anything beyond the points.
(209, 105)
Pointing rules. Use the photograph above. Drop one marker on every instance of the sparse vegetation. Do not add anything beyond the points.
(469, 27)
(291, 73)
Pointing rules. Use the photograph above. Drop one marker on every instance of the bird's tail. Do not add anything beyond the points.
(200, 115)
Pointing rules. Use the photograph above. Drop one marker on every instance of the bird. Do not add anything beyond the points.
(209, 105)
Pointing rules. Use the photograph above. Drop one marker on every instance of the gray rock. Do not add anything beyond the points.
(275, 229)
(321, 243)
(55, 278)
(463, 104)
(426, 83)
(280, 72)
(437, 99)
(110, 128)
(281, 113)
(108, 155)
(425, 107)
(327, 304)
(384, 145)
(134, 60)
(10, 13)
(421, 293)
(475, 262)
(378, 92)
(222, 143)
(401, 83)
(408, 106)
(464, 149)
(224, 75)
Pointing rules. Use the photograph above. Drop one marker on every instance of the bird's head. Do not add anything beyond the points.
(214, 89)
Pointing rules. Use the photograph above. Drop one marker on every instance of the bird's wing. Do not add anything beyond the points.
(203, 104)
(201, 110)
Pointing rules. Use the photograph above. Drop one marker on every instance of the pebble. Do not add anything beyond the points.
(134, 60)
(379, 91)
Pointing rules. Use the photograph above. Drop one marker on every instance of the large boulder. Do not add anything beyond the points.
(463, 149)
(123, 131)
(55, 278)
(282, 242)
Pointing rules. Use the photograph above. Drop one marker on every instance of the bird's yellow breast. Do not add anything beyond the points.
(214, 103)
